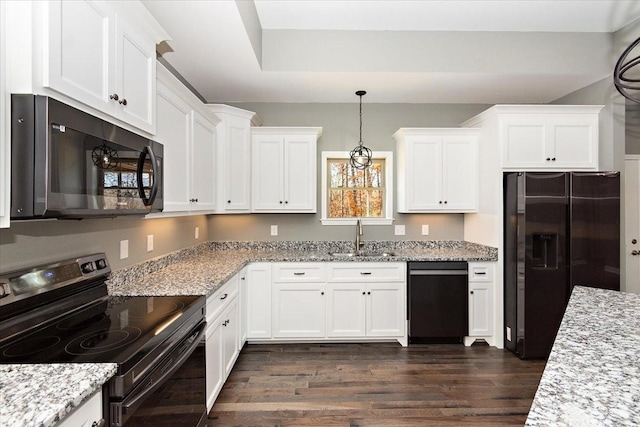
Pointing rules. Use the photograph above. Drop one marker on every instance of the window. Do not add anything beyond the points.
(349, 193)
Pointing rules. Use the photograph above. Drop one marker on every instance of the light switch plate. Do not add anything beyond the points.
(124, 249)
(425, 229)
(149, 242)
(399, 230)
(196, 233)
(508, 333)
(274, 230)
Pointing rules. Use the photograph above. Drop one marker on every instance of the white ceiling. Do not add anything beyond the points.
(444, 51)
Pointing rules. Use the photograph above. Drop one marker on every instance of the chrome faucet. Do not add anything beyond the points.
(359, 233)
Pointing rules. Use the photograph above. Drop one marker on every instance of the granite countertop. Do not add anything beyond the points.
(592, 376)
(203, 269)
(41, 395)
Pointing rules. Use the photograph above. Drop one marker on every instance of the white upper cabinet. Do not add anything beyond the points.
(95, 55)
(542, 137)
(284, 165)
(188, 132)
(234, 158)
(437, 170)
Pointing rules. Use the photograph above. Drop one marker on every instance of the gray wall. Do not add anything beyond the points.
(340, 125)
(30, 242)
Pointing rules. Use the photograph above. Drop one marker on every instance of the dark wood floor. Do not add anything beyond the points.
(375, 385)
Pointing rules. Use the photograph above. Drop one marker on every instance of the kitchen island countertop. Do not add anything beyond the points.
(592, 376)
(43, 394)
(204, 269)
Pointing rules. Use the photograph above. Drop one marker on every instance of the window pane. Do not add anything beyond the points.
(354, 192)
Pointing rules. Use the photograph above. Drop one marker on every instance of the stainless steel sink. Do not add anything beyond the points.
(362, 254)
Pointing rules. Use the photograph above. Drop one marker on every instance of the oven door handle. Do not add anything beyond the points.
(140, 393)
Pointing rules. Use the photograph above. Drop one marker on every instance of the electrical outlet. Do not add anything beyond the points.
(399, 230)
(508, 333)
(196, 233)
(425, 229)
(149, 242)
(124, 249)
(274, 230)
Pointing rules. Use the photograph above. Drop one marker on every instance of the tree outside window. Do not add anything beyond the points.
(356, 193)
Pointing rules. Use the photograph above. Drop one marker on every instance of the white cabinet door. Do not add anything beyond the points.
(80, 56)
(214, 364)
(460, 166)
(424, 174)
(174, 132)
(386, 309)
(575, 141)
(258, 300)
(299, 310)
(238, 163)
(135, 76)
(480, 301)
(481, 278)
(524, 142)
(203, 160)
(300, 175)
(346, 307)
(243, 301)
(268, 173)
(88, 414)
(230, 332)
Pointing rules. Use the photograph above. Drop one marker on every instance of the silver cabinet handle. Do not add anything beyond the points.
(100, 423)
(123, 101)
(115, 97)
(298, 273)
(365, 273)
(634, 252)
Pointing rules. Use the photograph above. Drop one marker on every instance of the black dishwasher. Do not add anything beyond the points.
(438, 301)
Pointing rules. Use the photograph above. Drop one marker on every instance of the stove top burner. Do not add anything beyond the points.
(102, 341)
(29, 346)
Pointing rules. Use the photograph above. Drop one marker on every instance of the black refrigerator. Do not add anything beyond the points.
(561, 229)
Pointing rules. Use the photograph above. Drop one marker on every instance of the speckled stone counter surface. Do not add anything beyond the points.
(592, 376)
(41, 395)
(202, 269)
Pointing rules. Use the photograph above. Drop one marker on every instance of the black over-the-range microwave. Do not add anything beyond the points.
(66, 163)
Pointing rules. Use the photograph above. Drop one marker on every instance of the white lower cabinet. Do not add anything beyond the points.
(481, 278)
(258, 318)
(366, 300)
(222, 337)
(86, 415)
(343, 301)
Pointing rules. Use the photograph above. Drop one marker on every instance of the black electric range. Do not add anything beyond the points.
(61, 313)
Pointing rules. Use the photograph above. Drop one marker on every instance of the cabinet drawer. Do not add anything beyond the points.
(299, 272)
(480, 272)
(218, 301)
(366, 272)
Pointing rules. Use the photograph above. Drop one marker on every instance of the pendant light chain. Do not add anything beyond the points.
(360, 157)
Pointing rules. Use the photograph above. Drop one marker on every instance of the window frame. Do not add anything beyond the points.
(387, 219)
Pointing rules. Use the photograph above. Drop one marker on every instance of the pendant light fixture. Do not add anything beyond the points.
(361, 155)
(626, 75)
